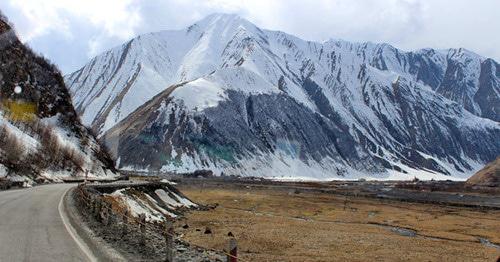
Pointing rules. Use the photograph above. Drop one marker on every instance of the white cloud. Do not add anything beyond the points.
(89, 27)
(117, 17)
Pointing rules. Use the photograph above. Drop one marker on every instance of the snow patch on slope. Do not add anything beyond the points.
(173, 199)
(208, 91)
(157, 205)
(3, 171)
(137, 206)
(199, 94)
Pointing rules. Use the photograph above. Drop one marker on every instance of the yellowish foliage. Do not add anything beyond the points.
(18, 110)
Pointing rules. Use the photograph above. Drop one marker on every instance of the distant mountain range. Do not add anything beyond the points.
(226, 95)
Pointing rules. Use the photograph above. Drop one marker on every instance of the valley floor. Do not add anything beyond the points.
(296, 225)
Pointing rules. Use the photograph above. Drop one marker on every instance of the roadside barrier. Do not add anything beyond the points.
(104, 213)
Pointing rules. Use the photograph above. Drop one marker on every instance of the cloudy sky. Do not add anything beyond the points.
(70, 32)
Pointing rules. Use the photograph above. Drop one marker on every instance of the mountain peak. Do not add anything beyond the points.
(224, 21)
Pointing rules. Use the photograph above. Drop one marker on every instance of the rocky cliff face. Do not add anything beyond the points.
(227, 95)
(41, 136)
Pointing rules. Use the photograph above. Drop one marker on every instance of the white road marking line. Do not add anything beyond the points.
(85, 249)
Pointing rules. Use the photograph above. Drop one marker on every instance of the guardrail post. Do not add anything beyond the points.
(92, 205)
(111, 215)
(169, 240)
(105, 214)
(125, 222)
(142, 227)
(98, 209)
(233, 251)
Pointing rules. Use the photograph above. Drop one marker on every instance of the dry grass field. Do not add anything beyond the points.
(277, 225)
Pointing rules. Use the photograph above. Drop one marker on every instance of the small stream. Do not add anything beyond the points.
(397, 230)
(412, 233)
(488, 243)
(404, 231)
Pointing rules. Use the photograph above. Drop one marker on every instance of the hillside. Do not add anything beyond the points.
(488, 176)
(226, 95)
(41, 137)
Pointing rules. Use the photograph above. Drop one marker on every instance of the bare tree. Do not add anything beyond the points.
(11, 145)
(49, 141)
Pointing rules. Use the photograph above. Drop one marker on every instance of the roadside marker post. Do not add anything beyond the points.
(125, 222)
(98, 209)
(233, 251)
(105, 214)
(142, 227)
(169, 240)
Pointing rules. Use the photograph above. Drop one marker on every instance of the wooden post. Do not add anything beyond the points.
(98, 208)
(86, 202)
(92, 205)
(103, 214)
(169, 240)
(233, 251)
(142, 227)
(112, 218)
(124, 222)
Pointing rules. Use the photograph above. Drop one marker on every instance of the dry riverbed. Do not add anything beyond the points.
(281, 225)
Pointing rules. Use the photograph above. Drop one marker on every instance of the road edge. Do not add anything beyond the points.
(95, 248)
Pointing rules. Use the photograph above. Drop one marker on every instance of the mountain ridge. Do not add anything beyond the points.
(351, 86)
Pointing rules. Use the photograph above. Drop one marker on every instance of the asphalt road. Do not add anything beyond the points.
(31, 227)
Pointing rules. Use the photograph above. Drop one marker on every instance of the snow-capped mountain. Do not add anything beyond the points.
(41, 138)
(226, 95)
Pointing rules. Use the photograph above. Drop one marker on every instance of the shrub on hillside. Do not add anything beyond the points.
(11, 145)
(57, 153)
(50, 145)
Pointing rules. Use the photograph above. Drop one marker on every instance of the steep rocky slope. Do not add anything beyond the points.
(226, 95)
(40, 133)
